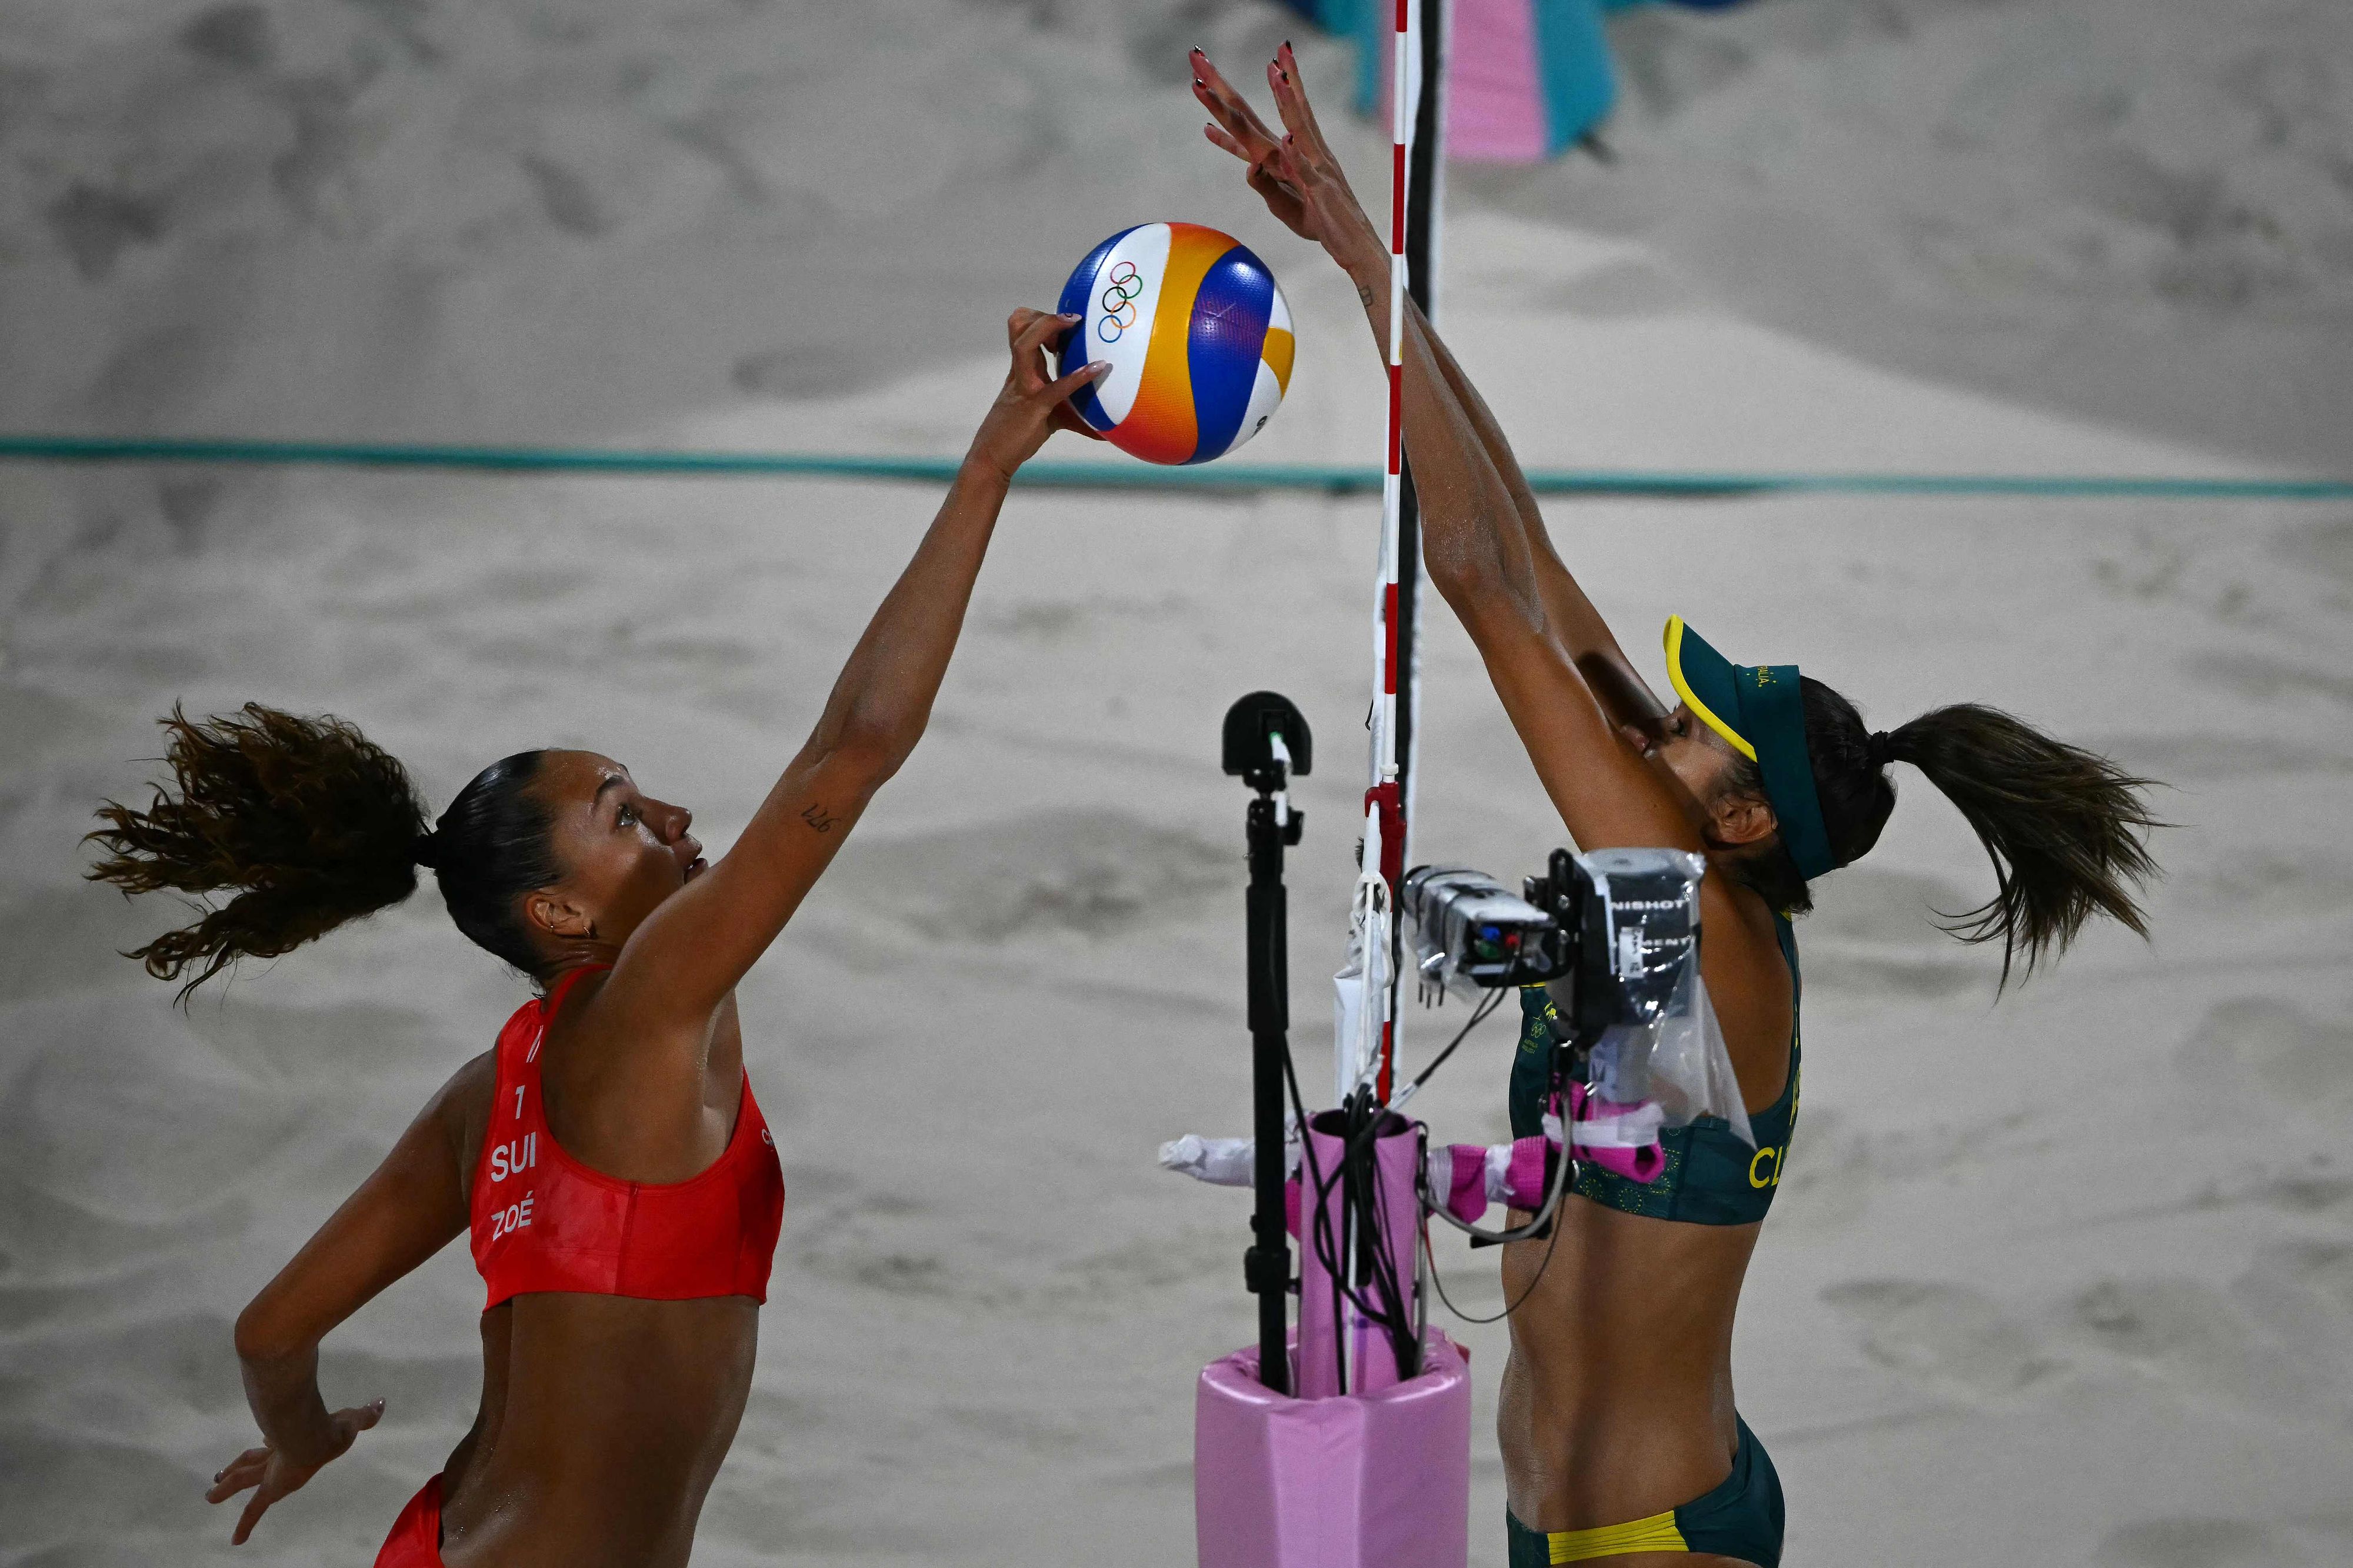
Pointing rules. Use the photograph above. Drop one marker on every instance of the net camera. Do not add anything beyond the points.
(1611, 933)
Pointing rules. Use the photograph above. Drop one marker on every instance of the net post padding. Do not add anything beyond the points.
(1367, 1480)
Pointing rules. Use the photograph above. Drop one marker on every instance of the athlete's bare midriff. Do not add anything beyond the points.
(604, 1419)
(1617, 1397)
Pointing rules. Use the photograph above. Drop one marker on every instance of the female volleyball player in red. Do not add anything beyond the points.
(1620, 1440)
(621, 1188)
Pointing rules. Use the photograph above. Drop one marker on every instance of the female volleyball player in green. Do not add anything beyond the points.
(1620, 1439)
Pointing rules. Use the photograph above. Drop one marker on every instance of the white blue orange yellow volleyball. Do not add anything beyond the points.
(1199, 338)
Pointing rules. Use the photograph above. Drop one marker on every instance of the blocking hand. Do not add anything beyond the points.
(1296, 174)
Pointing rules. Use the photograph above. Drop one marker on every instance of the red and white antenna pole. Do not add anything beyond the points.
(1385, 800)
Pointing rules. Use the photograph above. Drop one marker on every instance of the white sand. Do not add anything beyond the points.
(2065, 1281)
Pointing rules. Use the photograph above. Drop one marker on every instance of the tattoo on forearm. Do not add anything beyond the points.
(816, 817)
(1363, 293)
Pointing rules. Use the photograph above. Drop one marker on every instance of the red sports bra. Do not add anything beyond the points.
(543, 1221)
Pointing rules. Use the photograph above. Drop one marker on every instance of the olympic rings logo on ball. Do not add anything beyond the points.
(1124, 285)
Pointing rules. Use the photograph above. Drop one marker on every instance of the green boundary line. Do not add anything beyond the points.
(1329, 480)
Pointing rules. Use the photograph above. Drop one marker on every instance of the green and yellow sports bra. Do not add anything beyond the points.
(1711, 1176)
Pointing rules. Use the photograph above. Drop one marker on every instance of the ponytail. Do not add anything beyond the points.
(2064, 827)
(305, 822)
(309, 825)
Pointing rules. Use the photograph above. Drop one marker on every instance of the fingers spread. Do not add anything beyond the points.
(1218, 95)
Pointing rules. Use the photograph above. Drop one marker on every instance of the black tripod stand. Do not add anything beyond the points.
(1267, 741)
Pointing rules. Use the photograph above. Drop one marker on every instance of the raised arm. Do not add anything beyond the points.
(406, 1211)
(687, 956)
(1508, 588)
(1568, 685)
(1569, 613)
(1351, 238)
(1582, 712)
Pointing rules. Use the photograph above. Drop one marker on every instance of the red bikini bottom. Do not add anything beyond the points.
(415, 1538)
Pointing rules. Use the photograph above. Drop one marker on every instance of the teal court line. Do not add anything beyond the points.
(1328, 480)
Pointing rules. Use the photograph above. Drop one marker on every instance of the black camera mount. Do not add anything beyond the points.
(1266, 743)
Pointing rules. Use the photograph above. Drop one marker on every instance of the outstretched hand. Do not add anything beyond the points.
(1296, 174)
(274, 1475)
(1033, 404)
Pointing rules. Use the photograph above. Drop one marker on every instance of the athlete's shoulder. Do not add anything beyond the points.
(461, 1109)
(471, 1082)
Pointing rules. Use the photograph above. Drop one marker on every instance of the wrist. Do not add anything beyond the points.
(1364, 256)
(979, 468)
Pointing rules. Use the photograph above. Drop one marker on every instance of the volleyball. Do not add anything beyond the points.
(1197, 335)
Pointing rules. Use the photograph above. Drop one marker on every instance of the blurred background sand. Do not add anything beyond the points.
(2068, 1279)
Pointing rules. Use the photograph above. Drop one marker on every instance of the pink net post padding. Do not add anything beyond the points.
(1360, 1481)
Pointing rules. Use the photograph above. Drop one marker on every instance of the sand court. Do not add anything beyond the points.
(2064, 1280)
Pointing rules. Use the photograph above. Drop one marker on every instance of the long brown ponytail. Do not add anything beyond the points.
(308, 824)
(305, 823)
(2066, 828)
